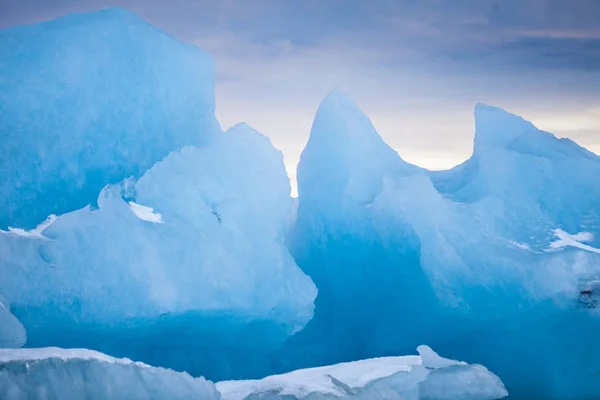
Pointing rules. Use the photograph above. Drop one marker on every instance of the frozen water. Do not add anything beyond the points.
(402, 378)
(183, 260)
(115, 280)
(461, 254)
(90, 99)
(54, 373)
(12, 332)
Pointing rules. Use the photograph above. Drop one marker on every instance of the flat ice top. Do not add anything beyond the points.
(356, 374)
(36, 354)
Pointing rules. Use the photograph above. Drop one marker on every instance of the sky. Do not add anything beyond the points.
(416, 67)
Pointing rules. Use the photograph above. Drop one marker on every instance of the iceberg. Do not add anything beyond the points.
(130, 224)
(427, 376)
(54, 374)
(490, 261)
(88, 100)
(169, 262)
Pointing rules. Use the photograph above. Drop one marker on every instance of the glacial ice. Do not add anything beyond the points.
(57, 374)
(115, 280)
(12, 332)
(402, 378)
(485, 260)
(169, 242)
(89, 99)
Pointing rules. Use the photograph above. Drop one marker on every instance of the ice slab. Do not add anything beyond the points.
(56, 374)
(406, 377)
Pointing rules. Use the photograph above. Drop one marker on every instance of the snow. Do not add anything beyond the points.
(36, 233)
(567, 240)
(372, 378)
(88, 100)
(522, 246)
(430, 359)
(145, 213)
(36, 354)
(303, 382)
(54, 373)
(83, 373)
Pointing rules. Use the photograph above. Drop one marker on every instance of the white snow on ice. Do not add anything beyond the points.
(145, 213)
(522, 246)
(34, 354)
(567, 240)
(36, 233)
(300, 383)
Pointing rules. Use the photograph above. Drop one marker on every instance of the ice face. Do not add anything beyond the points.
(402, 378)
(12, 332)
(366, 267)
(90, 99)
(166, 264)
(54, 373)
(486, 260)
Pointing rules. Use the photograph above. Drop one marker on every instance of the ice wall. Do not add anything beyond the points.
(486, 261)
(90, 99)
(186, 267)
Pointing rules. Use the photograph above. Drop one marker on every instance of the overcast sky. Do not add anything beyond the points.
(417, 68)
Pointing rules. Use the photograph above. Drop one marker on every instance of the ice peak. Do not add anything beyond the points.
(495, 126)
(340, 123)
(111, 14)
(338, 98)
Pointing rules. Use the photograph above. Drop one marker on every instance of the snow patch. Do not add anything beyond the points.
(322, 380)
(145, 213)
(36, 354)
(522, 246)
(567, 240)
(36, 233)
(430, 359)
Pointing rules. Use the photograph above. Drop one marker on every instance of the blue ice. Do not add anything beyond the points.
(90, 99)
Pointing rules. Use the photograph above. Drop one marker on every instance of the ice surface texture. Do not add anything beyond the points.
(12, 332)
(90, 99)
(126, 282)
(55, 373)
(403, 378)
(58, 374)
(485, 261)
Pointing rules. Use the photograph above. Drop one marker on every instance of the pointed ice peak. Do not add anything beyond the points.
(497, 127)
(340, 123)
(340, 105)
